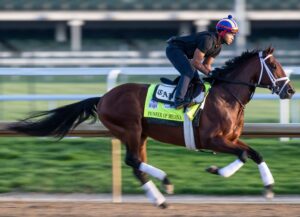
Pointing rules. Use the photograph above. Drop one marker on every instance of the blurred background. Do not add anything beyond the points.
(74, 45)
(133, 32)
(59, 51)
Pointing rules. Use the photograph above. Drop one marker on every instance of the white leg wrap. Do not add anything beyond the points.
(153, 193)
(265, 174)
(231, 168)
(152, 171)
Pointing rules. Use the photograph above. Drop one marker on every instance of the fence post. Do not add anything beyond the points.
(284, 115)
(112, 78)
(116, 171)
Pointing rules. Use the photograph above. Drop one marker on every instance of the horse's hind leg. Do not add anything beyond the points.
(166, 184)
(134, 148)
(143, 158)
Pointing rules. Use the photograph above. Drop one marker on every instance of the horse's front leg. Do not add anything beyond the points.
(220, 144)
(263, 168)
(243, 151)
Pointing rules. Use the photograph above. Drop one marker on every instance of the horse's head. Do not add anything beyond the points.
(273, 75)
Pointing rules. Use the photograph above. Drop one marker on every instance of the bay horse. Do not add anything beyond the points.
(220, 126)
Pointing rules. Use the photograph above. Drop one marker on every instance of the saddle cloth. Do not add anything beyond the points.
(159, 110)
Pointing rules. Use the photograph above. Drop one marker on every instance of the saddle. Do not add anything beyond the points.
(165, 92)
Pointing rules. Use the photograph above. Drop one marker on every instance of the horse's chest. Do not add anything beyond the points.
(234, 131)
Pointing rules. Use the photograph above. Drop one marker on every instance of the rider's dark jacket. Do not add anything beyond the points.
(206, 42)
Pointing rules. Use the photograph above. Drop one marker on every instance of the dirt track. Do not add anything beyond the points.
(91, 209)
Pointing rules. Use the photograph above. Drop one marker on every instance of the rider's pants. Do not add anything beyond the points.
(180, 61)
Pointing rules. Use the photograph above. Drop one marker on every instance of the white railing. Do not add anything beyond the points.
(112, 78)
(115, 58)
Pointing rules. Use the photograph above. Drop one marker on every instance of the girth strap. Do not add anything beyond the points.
(188, 132)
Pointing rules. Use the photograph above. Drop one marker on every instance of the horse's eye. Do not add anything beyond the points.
(274, 66)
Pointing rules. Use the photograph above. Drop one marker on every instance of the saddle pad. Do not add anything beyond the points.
(165, 111)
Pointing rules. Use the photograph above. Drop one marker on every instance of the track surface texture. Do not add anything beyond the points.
(82, 205)
(99, 209)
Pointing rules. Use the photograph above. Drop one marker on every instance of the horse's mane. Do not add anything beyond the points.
(234, 62)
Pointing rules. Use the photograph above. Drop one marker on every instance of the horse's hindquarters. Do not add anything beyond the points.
(121, 110)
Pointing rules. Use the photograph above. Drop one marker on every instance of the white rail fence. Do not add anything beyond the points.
(112, 75)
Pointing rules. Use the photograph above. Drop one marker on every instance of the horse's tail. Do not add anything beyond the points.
(59, 121)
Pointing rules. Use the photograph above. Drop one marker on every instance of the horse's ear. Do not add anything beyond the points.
(269, 50)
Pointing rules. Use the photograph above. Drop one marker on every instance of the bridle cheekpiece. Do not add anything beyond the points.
(275, 87)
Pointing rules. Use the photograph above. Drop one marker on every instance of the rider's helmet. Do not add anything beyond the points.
(227, 25)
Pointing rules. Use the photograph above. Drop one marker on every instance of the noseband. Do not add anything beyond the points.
(275, 87)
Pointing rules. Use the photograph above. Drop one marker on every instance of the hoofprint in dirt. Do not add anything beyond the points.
(79, 209)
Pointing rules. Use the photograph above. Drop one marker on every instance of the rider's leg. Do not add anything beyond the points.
(181, 91)
(180, 61)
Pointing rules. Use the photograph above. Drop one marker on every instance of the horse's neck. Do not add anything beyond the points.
(246, 74)
(225, 107)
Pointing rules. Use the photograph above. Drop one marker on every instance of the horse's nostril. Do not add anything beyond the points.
(291, 91)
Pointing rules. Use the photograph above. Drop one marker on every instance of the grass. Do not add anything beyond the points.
(84, 165)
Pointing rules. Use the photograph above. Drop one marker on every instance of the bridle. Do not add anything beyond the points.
(264, 68)
(275, 87)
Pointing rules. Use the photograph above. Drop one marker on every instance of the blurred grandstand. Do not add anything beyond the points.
(133, 32)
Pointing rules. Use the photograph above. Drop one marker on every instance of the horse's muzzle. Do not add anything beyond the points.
(287, 93)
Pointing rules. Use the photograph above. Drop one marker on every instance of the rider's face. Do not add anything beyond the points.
(228, 38)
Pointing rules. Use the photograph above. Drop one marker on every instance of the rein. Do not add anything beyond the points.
(215, 77)
(240, 82)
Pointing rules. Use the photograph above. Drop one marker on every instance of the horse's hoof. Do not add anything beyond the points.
(169, 189)
(213, 170)
(268, 192)
(163, 205)
(167, 186)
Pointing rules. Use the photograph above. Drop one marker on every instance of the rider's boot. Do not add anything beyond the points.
(181, 90)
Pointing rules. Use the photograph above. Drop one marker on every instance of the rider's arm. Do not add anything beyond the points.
(208, 61)
(197, 62)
